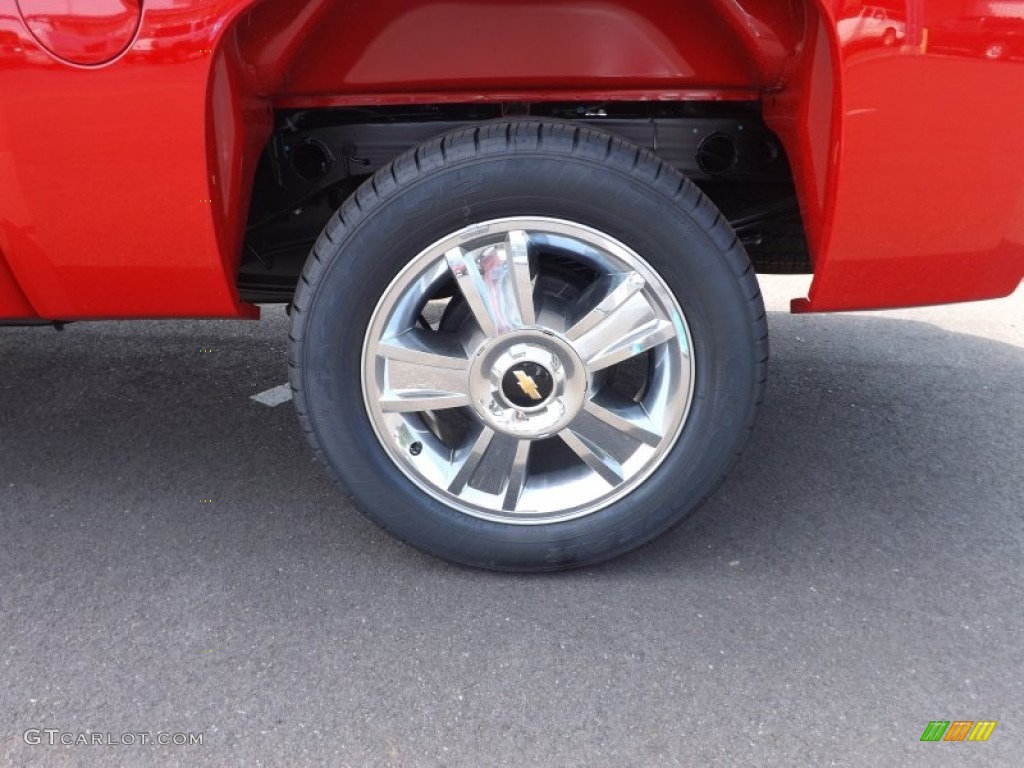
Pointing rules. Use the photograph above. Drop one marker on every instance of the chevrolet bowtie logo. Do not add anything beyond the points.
(528, 385)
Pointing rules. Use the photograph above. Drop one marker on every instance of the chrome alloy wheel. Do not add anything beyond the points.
(493, 370)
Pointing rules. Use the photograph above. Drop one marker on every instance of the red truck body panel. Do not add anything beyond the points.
(129, 132)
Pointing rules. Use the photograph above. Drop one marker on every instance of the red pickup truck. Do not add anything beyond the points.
(518, 240)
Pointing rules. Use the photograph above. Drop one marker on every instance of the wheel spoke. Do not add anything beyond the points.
(426, 371)
(517, 476)
(415, 400)
(593, 456)
(604, 438)
(517, 252)
(621, 326)
(496, 283)
(630, 420)
(617, 290)
(494, 464)
(468, 462)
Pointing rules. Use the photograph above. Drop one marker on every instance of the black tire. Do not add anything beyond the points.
(528, 168)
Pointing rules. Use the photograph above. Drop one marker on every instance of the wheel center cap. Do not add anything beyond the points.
(527, 384)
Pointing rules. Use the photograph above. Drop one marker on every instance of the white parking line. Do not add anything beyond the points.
(274, 396)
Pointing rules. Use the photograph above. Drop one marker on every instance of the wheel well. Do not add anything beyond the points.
(335, 52)
(325, 92)
(317, 158)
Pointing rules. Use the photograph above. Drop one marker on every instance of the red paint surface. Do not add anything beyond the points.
(923, 199)
(112, 202)
(82, 31)
(519, 45)
(124, 186)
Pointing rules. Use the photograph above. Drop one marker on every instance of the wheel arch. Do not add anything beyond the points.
(327, 53)
(331, 52)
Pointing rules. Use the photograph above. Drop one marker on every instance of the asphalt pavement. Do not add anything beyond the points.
(174, 565)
